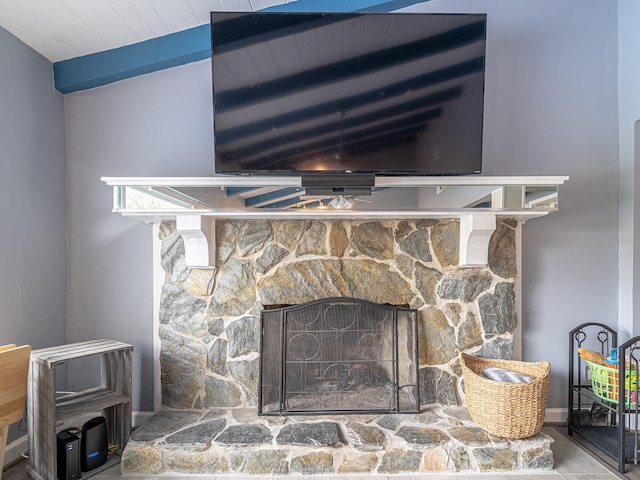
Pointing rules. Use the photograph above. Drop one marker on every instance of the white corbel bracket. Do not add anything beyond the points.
(199, 234)
(475, 233)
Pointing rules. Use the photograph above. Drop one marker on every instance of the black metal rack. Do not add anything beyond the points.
(611, 426)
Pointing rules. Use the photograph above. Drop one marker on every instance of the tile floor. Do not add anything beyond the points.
(572, 462)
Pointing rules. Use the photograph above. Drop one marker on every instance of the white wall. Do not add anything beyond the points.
(32, 196)
(629, 233)
(551, 109)
(158, 124)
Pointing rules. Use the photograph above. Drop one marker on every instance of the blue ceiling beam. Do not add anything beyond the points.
(180, 48)
(271, 196)
(233, 191)
(110, 66)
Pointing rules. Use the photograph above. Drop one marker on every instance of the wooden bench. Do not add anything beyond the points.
(14, 370)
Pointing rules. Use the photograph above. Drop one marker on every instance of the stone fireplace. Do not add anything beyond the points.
(209, 319)
(210, 349)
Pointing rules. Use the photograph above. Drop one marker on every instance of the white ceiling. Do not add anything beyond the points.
(64, 29)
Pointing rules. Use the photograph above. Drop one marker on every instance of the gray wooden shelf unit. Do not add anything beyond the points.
(44, 410)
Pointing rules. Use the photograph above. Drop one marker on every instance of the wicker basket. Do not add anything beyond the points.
(510, 410)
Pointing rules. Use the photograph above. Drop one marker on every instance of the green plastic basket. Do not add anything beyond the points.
(606, 383)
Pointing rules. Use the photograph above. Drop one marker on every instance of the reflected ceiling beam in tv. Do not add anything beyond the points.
(370, 97)
(350, 130)
(360, 65)
(319, 154)
(238, 30)
(388, 94)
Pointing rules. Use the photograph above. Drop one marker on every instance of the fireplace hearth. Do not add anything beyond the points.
(239, 443)
(210, 355)
(338, 356)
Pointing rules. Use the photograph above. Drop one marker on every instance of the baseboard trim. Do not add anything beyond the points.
(140, 418)
(556, 416)
(13, 452)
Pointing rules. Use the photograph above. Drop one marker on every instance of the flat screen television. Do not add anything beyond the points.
(371, 93)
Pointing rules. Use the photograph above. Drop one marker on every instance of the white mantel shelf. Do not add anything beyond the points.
(152, 216)
(276, 181)
(149, 216)
(197, 224)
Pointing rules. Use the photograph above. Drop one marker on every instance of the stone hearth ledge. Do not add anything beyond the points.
(237, 441)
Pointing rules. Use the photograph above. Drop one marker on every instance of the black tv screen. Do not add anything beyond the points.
(381, 93)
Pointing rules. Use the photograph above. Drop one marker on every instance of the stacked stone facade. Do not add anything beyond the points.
(209, 318)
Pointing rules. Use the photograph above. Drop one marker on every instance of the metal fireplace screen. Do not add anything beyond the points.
(338, 356)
